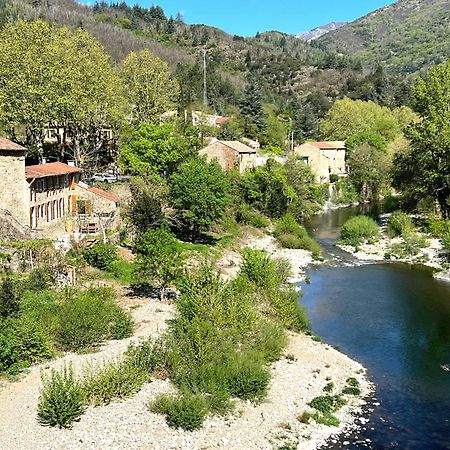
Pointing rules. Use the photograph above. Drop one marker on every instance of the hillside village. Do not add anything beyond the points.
(158, 211)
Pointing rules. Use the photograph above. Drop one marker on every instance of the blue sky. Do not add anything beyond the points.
(246, 17)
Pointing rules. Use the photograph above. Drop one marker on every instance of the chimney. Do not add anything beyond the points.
(71, 163)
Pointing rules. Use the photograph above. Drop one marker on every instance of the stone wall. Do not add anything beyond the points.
(14, 191)
(225, 156)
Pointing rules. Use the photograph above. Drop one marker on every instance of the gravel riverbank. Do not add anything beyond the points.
(297, 378)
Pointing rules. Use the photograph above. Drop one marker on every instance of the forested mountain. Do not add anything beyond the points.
(299, 79)
(404, 37)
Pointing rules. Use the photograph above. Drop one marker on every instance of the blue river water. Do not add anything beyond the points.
(395, 320)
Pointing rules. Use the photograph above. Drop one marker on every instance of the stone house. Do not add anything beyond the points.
(42, 199)
(324, 158)
(230, 155)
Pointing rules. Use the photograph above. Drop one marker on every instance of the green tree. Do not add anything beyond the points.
(55, 75)
(267, 188)
(424, 171)
(251, 108)
(150, 89)
(152, 149)
(350, 117)
(369, 170)
(159, 260)
(199, 192)
(144, 210)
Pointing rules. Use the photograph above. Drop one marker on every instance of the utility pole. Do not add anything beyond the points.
(205, 87)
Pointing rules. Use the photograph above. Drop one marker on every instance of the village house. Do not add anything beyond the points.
(45, 197)
(199, 118)
(230, 155)
(324, 158)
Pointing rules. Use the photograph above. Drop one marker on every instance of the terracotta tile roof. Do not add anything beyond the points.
(331, 145)
(49, 169)
(238, 147)
(221, 120)
(6, 144)
(108, 195)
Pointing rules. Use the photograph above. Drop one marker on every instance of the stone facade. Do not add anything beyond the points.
(324, 158)
(230, 155)
(14, 196)
(52, 197)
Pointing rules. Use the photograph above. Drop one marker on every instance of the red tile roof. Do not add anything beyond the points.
(105, 194)
(6, 144)
(328, 145)
(221, 120)
(49, 169)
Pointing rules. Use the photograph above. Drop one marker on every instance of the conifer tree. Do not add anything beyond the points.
(252, 110)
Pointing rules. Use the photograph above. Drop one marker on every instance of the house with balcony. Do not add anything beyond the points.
(45, 199)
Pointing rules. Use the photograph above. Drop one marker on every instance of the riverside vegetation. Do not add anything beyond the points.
(217, 348)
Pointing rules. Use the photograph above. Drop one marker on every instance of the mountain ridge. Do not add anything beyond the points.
(320, 31)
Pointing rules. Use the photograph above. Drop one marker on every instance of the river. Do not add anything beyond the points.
(395, 320)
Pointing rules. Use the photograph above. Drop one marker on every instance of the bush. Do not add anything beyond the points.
(359, 229)
(186, 410)
(293, 235)
(61, 401)
(260, 268)
(9, 298)
(400, 224)
(21, 344)
(115, 380)
(288, 311)
(248, 378)
(101, 256)
(327, 403)
(250, 216)
(88, 318)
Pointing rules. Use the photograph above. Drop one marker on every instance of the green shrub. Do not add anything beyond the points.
(88, 318)
(61, 401)
(41, 279)
(353, 382)
(350, 390)
(9, 298)
(115, 380)
(101, 256)
(329, 387)
(288, 225)
(359, 229)
(327, 403)
(286, 308)
(400, 224)
(147, 356)
(260, 268)
(248, 378)
(186, 410)
(326, 419)
(291, 234)
(21, 344)
(249, 216)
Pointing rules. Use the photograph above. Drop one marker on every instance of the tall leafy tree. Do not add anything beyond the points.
(424, 171)
(252, 109)
(55, 75)
(199, 192)
(155, 150)
(150, 89)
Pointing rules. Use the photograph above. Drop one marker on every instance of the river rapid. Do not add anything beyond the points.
(395, 320)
